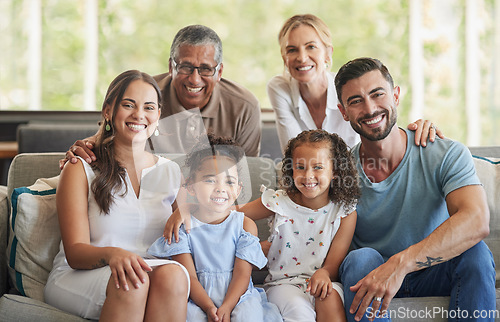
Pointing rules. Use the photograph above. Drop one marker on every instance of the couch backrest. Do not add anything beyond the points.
(52, 137)
(26, 168)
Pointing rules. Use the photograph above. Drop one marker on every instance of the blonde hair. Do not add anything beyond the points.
(309, 20)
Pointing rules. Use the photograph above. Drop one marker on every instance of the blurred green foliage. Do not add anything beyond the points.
(137, 35)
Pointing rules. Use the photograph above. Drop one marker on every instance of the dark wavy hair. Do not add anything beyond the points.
(216, 146)
(344, 187)
(356, 68)
(110, 175)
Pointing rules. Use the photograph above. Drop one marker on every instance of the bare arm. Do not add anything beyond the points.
(198, 293)
(241, 278)
(320, 284)
(82, 148)
(468, 224)
(72, 205)
(255, 210)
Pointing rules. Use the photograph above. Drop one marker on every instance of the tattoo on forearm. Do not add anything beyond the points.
(102, 262)
(429, 262)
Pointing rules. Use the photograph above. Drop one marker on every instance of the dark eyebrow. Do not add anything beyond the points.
(133, 101)
(377, 89)
(371, 92)
(350, 98)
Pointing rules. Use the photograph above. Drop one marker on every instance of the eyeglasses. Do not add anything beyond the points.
(203, 70)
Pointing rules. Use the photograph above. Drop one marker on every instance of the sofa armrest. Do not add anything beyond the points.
(4, 236)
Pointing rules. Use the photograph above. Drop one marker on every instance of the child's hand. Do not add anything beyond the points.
(180, 216)
(212, 314)
(320, 285)
(224, 313)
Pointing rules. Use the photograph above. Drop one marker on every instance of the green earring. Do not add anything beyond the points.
(108, 126)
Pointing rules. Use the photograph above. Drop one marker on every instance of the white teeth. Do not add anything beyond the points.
(310, 185)
(136, 127)
(219, 200)
(305, 68)
(194, 89)
(375, 120)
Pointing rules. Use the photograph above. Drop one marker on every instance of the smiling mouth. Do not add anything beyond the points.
(219, 200)
(374, 120)
(136, 127)
(310, 185)
(304, 68)
(194, 89)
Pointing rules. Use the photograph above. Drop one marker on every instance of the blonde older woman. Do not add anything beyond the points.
(304, 97)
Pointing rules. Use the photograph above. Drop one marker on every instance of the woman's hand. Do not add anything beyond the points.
(320, 284)
(127, 265)
(424, 130)
(82, 148)
(181, 215)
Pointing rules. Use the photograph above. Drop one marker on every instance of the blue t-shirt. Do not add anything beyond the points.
(410, 204)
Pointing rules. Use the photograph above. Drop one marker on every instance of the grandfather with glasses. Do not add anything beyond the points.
(196, 100)
(194, 82)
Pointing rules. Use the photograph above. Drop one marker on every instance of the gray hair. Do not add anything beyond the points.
(197, 35)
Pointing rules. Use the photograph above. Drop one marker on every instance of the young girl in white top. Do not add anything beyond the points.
(222, 247)
(312, 228)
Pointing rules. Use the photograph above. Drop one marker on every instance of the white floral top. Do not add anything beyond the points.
(300, 237)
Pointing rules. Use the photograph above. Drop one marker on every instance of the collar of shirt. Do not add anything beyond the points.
(300, 105)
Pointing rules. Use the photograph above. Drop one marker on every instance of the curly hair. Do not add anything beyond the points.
(216, 146)
(344, 187)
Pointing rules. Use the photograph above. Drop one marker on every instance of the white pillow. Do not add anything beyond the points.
(34, 236)
(488, 171)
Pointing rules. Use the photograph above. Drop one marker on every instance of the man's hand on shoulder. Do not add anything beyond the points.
(82, 148)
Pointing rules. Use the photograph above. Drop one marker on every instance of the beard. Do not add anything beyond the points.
(378, 133)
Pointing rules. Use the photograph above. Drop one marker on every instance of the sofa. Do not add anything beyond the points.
(29, 234)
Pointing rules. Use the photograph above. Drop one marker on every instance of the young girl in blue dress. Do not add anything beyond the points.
(222, 245)
(312, 228)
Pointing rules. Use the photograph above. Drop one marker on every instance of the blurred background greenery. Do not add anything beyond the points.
(137, 35)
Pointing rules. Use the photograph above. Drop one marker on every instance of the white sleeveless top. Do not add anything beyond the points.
(133, 223)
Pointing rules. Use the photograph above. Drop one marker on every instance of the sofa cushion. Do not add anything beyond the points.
(488, 171)
(34, 236)
(15, 308)
(4, 233)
